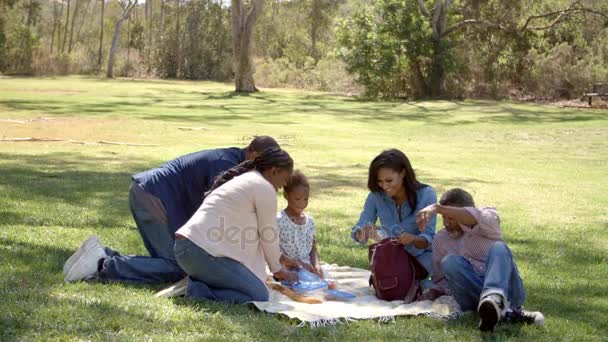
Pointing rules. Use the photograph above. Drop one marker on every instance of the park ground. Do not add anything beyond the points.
(543, 167)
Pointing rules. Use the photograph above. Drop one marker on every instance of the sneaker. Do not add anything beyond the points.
(490, 311)
(516, 316)
(87, 262)
(70, 262)
(175, 290)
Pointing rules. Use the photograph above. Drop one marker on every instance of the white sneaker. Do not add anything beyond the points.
(86, 264)
(175, 290)
(83, 247)
(525, 317)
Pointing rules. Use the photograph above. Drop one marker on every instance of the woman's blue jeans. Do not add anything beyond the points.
(220, 279)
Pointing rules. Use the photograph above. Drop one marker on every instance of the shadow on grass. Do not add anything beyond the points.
(71, 184)
(224, 108)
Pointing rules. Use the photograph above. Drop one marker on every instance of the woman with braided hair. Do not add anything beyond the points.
(226, 245)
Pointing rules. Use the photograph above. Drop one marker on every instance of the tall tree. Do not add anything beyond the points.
(242, 30)
(74, 16)
(127, 6)
(161, 28)
(100, 54)
(148, 19)
(177, 37)
(56, 17)
(84, 19)
(65, 31)
(33, 9)
(321, 16)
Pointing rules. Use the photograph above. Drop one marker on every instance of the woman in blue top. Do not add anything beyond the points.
(395, 197)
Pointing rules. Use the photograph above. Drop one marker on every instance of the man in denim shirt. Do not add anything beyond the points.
(161, 201)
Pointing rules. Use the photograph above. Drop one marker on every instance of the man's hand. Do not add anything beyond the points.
(424, 215)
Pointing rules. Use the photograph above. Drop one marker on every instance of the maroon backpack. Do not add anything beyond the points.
(396, 274)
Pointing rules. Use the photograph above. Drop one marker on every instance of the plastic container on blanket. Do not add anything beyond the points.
(332, 294)
(308, 282)
(312, 285)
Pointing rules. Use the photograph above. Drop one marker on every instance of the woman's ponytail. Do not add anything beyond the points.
(227, 175)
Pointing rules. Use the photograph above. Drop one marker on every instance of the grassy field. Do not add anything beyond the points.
(544, 168)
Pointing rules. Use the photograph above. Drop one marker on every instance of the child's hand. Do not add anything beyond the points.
(308, 267)
(319, 271)
(289, 263)
(424, 215)
(283, 274)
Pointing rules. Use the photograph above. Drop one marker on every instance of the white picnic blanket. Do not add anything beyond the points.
(365, 306)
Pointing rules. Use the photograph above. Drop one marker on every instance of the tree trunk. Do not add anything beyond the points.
(110, 69)
(178, 44)
(313, 38)
(65, 31)
(59, 27)
(30, 14)
(242, 30)
(437, 74)
(123, 17)
(162, 17)
(316, 12)
(129, 39)
(74, 15)
(100, 55)
(85, 14)
(149, 8)
(54, 26)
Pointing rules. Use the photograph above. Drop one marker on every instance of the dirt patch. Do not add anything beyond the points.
(74, 130)
(597, 104)
(50, 91)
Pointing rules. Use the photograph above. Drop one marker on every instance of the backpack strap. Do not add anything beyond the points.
(413, 290)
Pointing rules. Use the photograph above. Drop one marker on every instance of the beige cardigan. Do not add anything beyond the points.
(238, 221)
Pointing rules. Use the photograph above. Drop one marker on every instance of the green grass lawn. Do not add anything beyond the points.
(543, 167)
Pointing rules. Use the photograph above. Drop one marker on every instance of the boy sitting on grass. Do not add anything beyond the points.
(472, 263)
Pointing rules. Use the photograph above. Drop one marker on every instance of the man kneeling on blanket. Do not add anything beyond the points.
(472, 262)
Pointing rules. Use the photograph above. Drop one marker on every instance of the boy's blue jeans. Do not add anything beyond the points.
(152, 224)
(217, 278)
(501, 277)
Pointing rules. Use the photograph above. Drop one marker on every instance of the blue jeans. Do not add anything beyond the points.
(152, 223)
(218, 278)
(501, 277)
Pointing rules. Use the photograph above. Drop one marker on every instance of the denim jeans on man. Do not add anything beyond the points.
(160, 266)
(501, 277)
(217, 278)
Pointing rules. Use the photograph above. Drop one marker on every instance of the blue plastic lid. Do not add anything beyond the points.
(337, 294)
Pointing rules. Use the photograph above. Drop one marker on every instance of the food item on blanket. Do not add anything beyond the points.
(331, 294)
(294, 295)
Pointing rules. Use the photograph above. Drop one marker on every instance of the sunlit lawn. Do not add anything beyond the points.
(543, 167)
